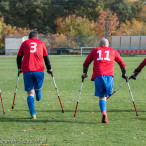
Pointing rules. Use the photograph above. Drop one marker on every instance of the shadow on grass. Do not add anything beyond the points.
(40, 120)
(142, 119)
(72, 119)
(80, 110)
(126, 110)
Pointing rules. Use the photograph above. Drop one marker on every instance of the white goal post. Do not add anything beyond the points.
(86, 50)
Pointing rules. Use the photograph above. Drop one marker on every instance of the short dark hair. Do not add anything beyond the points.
(33, 34)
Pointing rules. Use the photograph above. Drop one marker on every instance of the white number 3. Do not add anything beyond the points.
(107, 55)
(33, 45)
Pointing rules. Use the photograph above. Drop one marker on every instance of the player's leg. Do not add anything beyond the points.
(38, 82)
(108, 85)
(38, 94)
(31, 103)
(102, 104)
(29, 87)
(100, 91)
(103, 88)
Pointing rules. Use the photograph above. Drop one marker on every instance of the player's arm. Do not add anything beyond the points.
(46, 60)
(86, 64)
(122, 65)
(19, 58)
(19, 61)
(48, 64)
(138, 69)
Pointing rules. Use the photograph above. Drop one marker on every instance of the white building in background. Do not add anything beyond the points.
(128, 42)
(13, 43)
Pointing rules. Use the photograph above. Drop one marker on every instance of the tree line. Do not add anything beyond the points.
(41, 14)
(74, 17)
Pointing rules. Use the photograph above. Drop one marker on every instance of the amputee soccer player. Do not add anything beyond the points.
(103, 72)
(33, 51)
(138, 69)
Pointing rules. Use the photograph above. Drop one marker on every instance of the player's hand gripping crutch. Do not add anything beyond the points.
(79, 95)
(19, 71)
(2, 103)
(132, 97)
(57, 92)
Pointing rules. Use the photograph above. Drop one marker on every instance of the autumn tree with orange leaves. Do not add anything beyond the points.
(113, 24)
(8, 30)
(74, 25)
(133, 27)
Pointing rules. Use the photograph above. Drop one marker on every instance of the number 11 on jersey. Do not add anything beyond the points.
(100, 55)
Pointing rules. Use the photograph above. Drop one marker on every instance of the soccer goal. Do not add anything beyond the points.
(86, 50)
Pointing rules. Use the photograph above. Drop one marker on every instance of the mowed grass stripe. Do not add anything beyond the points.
(55, 128)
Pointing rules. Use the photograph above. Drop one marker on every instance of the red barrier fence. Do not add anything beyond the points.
(132, 51)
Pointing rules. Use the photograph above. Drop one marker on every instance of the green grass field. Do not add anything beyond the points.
(54, 128)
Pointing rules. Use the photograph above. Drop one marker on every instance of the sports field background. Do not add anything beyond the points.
(52, 127)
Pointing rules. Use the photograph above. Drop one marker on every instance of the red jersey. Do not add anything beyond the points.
(104, 58)
(33, 51)
(143, 63)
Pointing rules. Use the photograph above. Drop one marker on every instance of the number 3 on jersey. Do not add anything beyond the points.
(33, 45)
(100, 55)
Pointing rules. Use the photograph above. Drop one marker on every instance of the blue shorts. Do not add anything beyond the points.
(33, 80)
(103, 85)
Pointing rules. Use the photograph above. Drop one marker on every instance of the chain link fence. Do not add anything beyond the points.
(67, 44)
(76, 45)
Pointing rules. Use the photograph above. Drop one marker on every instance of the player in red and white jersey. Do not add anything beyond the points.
(30, 61)
(103, 72)
(138, 69)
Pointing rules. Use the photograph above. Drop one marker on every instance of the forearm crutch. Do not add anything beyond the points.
(79, 96)
(15, 90)
(118, 88)
(132, 98)
(57, 92)
(2, 102)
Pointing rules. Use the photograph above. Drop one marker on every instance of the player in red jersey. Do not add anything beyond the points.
(33, 51)
(103, 72)
(138, 69)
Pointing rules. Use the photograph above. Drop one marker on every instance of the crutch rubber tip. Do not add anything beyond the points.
(136, 114)
(62, 111)
(12, 107)
(4, 113)
(74, 115)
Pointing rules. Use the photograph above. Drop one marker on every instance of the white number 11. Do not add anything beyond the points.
(107, 55)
